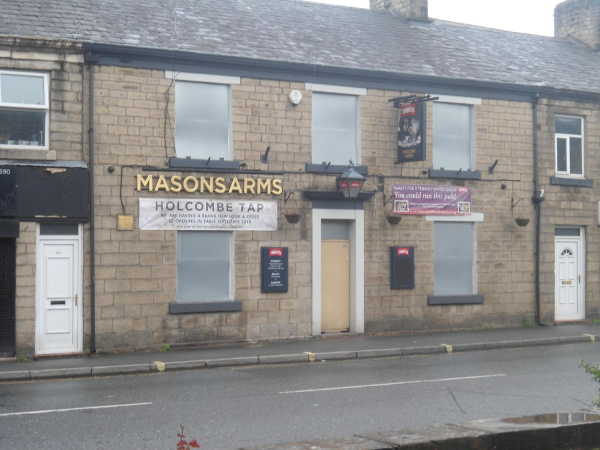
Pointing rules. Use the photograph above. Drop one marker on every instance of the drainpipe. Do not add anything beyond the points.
(537, 200)
(92, 59)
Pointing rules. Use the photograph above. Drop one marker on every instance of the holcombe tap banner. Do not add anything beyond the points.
(432, 200)
(207, 214)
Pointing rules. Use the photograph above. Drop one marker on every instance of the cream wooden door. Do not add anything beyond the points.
(335, 285)
(568, 274)
(58, 308)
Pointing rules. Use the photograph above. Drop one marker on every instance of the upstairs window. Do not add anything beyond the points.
(335, 129)
(203, 120)
(569, 146)
(24, 110)
(453, 141)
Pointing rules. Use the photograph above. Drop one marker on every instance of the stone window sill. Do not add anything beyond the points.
(576, 182)
(454, 174)
(205, 307)
(189, 163)
(30, 154)
(472, 299)
(334, 169)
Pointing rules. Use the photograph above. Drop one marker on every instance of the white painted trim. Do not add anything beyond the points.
(565, 136)
(202, 77)
(36, 108)
(357, 266)
(581, 260)
(474, 217)
(78, 267)
(457, 99)
(331, 89)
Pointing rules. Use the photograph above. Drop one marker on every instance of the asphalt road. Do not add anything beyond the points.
(229, 408)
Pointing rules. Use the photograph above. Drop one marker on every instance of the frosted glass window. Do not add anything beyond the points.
(335, 229)
(452, 136)
(334, 128)
(22, 90)
(203, 266)
(202, 120)
(453, 258)
(569, 146)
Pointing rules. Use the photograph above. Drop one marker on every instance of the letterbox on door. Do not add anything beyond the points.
(402, 267)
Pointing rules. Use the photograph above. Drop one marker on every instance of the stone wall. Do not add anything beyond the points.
(136, 272)
(569, 206)
(63, 62)
(409, 9)
(579, 19)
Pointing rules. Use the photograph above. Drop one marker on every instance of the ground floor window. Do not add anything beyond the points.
(454, 258)
(204, 266)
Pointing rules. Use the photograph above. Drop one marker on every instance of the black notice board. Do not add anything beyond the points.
(8, 187)
(38, 193)
(402, 267)
(274, 269)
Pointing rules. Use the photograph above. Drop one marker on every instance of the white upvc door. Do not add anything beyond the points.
(569, 279)
(59, 304)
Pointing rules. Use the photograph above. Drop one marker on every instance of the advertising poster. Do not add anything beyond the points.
(207, 214)
(411, 128)
(432, 200)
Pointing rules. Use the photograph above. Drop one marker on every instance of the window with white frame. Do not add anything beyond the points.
(569, 146)
(335, 128)
(24, 110)
(204, 266)
(453, 136)
(203, 124)
(454, 258)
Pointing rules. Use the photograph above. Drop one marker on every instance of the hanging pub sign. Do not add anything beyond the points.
(411, 136)
(207, 214)
(422, 199)
(274, 273)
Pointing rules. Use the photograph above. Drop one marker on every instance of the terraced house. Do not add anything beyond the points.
(205, 171)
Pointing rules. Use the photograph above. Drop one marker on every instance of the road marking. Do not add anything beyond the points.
(73, 409)
(393, 384)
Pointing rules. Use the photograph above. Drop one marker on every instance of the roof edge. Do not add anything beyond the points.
(302, 72)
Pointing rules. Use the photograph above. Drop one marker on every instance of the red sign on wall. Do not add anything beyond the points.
(275, 252)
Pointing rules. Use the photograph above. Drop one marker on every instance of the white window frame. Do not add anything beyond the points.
(472, 219)
(340, 90)
(205, 78)
(558, 136)
(21, 107)
(462, 101)
(231, 271)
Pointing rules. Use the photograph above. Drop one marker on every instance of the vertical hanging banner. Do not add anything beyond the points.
(432, 199)
(411, 133)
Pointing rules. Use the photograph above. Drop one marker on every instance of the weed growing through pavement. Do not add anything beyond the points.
(594, 371)
(595, 321)
(526, 321)
(182, 444)
(165, 348)
(22, 358)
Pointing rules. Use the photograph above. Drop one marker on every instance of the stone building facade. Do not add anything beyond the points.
(525, 160)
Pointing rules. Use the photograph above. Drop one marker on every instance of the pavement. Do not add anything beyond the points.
(337, 347)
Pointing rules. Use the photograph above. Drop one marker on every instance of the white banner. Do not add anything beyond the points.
(207, 214)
